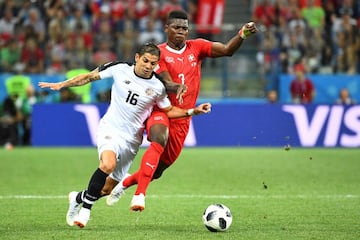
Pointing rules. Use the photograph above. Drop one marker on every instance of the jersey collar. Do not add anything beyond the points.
(176, 51)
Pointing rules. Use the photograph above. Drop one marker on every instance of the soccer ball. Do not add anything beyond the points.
(217, 218)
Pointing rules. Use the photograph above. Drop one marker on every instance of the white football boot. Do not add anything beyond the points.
(117, 192)
(73, 210)
(137, 203)
(82, 218)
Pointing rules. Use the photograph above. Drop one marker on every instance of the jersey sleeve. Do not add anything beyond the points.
(203, 46)
(163, 101)
(105, 69)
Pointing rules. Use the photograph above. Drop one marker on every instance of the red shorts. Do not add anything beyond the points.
(178, 130)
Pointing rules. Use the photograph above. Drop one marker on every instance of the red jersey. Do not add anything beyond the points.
(184, 66)
(302, 90)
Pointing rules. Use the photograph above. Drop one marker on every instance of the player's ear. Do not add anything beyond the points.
(137, 57)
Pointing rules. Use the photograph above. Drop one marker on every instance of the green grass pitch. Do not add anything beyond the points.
(304, 193)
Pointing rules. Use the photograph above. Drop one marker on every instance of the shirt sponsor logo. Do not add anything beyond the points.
(158, 118)
(149, 92)
(169, 60)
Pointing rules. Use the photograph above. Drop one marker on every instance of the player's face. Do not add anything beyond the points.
(145, 64)
(177, 32)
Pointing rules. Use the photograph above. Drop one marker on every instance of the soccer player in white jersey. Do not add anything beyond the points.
(135, 91)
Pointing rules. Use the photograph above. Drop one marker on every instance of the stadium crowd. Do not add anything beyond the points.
(323, 36)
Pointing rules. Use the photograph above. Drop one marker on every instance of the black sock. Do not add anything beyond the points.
(80, 197)
(93, 192)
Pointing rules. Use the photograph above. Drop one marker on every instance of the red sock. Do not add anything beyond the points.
(131, 180)
(149, 162)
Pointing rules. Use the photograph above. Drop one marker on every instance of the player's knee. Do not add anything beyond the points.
(159, 133)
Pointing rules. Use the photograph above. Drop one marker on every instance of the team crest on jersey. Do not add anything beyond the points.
(149, 92)
(127, 81)
(191, 58)
(169, 60)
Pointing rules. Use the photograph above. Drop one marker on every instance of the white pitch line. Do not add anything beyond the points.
(199, 196)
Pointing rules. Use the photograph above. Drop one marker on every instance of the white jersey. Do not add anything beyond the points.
(132, 100)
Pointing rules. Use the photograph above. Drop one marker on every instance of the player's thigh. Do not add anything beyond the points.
(157, 127)
(125, 159)
(175, 144)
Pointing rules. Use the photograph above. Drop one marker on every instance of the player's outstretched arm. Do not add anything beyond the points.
(175, 112)
(228, 49)
(78, 80)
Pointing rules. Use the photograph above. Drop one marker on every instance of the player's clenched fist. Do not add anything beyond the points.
(202, 108)
(247, 30)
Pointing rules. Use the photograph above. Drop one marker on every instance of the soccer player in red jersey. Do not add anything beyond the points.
(180, 61)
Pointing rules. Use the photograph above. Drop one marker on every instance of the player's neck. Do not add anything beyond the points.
(176, 47)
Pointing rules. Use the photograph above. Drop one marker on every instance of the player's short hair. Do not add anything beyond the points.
(149, 47)
(177, 14)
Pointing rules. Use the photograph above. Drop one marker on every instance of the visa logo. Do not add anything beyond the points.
(340, 124)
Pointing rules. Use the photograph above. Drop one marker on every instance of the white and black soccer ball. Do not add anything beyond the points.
(217, 217)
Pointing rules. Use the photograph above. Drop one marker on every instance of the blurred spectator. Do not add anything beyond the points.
(104, 96)
(301, 88)
(345, 33)
(147, 9)
(104, 54)
(118, 8)
(7, 24)
(9, 4)
(59, 19)
(101, 19)
(26, 105)
(20, 88)
(76, 19)
(282, 14)
(264, 13)
(105, 34)
(24, 11)
(150, 34)
(67, 95)
(344, 97)
(168, 6)
(272, 96)
(330, 16)
(76, 54)
(32, 56)
(8, 123)
(86, 36)
(268, 60)
(313, 14)
(314, 51)
(55, 49)
(127, 31)
(36, 21)
(292, 51)
(351, 7)
(303, 3)
(10, 55)
(52, 8)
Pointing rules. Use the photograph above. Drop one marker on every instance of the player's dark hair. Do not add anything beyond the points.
(176, 15)
(149, 48)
